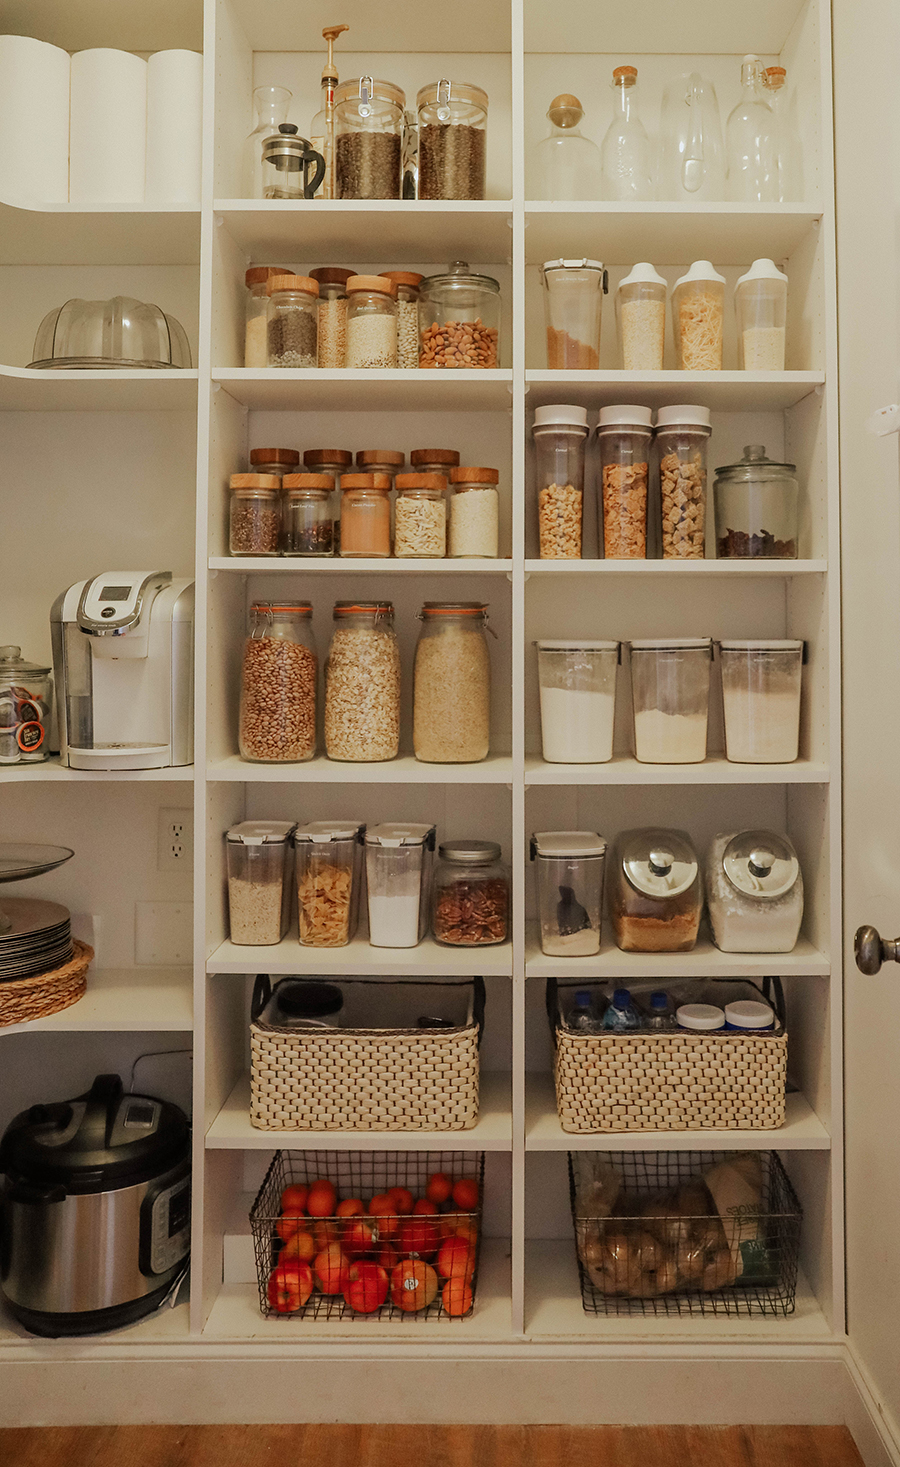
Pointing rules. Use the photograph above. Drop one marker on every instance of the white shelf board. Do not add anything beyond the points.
(802, 1130)
(99, 234)
(713, 770)
(496, 769)
(730, 234)
(358, 565)
(428, 959)
(235, 1316)
(124, 1000)
(676, 567)
(493, 1132)
(315, 389)
(23, 389)
(52, 769)
(725, 392)
(704, 962)
(403, 231)
(554, 1313)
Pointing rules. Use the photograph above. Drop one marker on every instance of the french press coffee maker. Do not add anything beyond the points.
(287, 161)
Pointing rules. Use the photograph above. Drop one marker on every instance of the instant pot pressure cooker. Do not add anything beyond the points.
(96, 1210)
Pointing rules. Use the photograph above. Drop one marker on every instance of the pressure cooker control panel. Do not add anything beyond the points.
(169, 1226)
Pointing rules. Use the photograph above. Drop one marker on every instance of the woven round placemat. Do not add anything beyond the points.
(46, 993)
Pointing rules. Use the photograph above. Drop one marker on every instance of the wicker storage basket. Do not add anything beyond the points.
(22, 999)
(669, 1082)
(371, 1079)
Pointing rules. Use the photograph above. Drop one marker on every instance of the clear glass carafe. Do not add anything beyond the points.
(756, 503)
(271, 105)
(362, 684)
(329, 877)
(258, 855)
(559, 434)
(670, 692)
(398, 877)
(452, 684)
(471, 894)
(279, 680)
(761, 684)
(625, 150)
(573, 301)
(787, 138)
(641, 319)
(760, 305)
(691, 152)
(569, 867)
(566, 164)
(578, 700)
(625, 435)
(682, 437)
(750, 140)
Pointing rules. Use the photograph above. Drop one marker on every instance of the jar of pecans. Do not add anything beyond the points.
(308, 526)
(292, 327)
(371, 322)
(420, 528)
(470, 904)
(366, 515)
(278, 684)
(332, 318)
(254, 520)
(407, 283)
(362, 684)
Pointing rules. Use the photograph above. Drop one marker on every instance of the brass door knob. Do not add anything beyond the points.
(871, 950)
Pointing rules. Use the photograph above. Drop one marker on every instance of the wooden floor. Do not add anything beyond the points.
(428, 1446)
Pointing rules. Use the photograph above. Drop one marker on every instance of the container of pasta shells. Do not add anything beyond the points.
(329, 875)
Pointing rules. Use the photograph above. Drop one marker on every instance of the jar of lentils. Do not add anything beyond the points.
(332, 316)
(278, 684)
(366, 515)
(292, 326)
(452, 687)
(254, 521)
(420, 517)
(452, 134)
(362, 684)
(474, 512)
(308, 526)
(407, 284)
(371, 322)
(368, 118)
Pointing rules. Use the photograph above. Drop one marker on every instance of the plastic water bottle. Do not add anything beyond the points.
(582, 1018)
(621, 1014)
(661, 1018)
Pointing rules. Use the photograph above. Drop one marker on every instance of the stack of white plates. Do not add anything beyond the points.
(38, 940)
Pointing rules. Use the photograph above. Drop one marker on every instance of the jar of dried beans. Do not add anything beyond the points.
(698, 313)
(254, 519)
(371, 322)
(369, 128)
(278, 684)
(452, 687)
(625, 434)
(682, 435)
(362, 684)
(452, 140)
(641, 319)
(329, 876)
(474, 512)
(308, 526)
(459, 319)
(332, 315)
(255, 342)
(407, 284)
(470, 905)
(559, 434)
(366, 515)
(420, 515)
(292, 321)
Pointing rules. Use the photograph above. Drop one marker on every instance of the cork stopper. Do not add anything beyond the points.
(565, 110)
(625, 76)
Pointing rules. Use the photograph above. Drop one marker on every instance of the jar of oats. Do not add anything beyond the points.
(420, 517)
(278, 684)
(371, 322)
(362, 684)
(329, 876)
(407, 283)
(452, 687)
(682, 434)
(559, 434)
(332, 317)
(625, 434)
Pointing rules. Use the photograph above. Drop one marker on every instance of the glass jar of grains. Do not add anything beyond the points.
(332, 316)
(366, 515)
(368, 118)
(420, 517)
(470, 894)
(371, 322)
(254, 520)
(362, 684)
(255, 341)
(452, 137)
(474, 512)
(459, 319)
(292, 321)
(452, 687)
(334, 461)
(308, 526)
(278, 684)
(407, 284)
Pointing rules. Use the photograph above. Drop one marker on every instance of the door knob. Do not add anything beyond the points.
(871, 950)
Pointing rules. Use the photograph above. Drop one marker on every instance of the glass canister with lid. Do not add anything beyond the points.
(670, 692)
(698, 318)
(761, 685)
(578, 700)
(254, 516)
(334, 461)
(388, 461)
(25, 706)
(471, 894)
(279, 680)
(452, 684)
(329, 877)
(573, 301)
(258, 855)
(420, 516)
(278, 461)
(459, 319)
(292, 321)
(371, 322)
(559, 434)
(452, 120)
(308, 526)
(332, 314)
(641, 319)
(569, 868)
(756, 506)
(256, 279)
(368, 131)
(754, 891)
(366, 516)
(624, 434)
(656, 896)
(406, 284)
(474, 512)
(362, 684)
(398, 876)
(760, 304)
(682, 435)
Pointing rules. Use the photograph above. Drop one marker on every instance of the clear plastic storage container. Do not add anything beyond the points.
(258, 856)
(26, 702)
(331, 346)
(278, 684)
(371, 322)
(656, 896)
(573, 301)
(368, 130)
(754, 891)
(569, 866)
(308, 526)
(474, 512)
(559, 434)
(698, 319)
(760, 304)
(292, 321)
(256, 350)
(641, 320)
(329, 877)
(398, 875)
(682, 437)
(757, 514)
(625, 434)
(578, 700)
(452, 684)
(452, 119)
(420, 517)
(366, 515)
(459, 319)
(761, 683)
(362, 684)
(471, 894)
(670, 691)
(254, 515)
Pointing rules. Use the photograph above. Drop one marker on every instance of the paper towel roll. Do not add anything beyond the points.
(174, 122)
(34, 121)
(108, 128)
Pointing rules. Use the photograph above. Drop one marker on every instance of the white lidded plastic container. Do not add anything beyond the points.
(641, 319)
(559, 433)
(398, 875)
(569, 868)
(578, 700)
(670, 691)
(698, 318)
(760, 304)
(573, 301)
(329, 877)
(701, 1018)
(746, 1017)
(259, 888)
(754, 892)
(761, 682)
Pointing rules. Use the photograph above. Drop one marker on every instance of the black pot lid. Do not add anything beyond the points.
(100, 1141)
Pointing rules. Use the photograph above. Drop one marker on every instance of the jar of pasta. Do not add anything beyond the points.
(698, 314)
(362, 684)
(474, 512)
(329, 877)
(365, 515)
(452, 687)
(420, 517)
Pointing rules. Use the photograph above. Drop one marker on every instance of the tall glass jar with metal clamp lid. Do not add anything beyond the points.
(362, 684)
(559, 434)
(292, 321)
(452, 140)
(474, 512)
(371, 322)
(756, 503)
(452, 688)
(471, 894)
(369, 130)
(459, 319)
(573, 301)
(682, 435)
(625, 435)
(278, 684)
(332, 315)
(256, 352)
(656, 896)
(308, 527)
(406, 283)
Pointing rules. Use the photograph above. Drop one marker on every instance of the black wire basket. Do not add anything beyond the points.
(364, 1175)
(664, 1249)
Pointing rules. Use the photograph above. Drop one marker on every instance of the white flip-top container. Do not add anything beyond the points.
(754, 892)
(398, 874)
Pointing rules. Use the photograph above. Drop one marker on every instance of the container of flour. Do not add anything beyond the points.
(578, 700)
(761, 698)
(670, 691)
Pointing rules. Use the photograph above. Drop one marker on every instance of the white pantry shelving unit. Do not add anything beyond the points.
(107, 468)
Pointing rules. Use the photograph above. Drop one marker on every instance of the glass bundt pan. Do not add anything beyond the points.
(121, 332)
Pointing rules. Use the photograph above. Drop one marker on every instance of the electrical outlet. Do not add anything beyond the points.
(175, 840)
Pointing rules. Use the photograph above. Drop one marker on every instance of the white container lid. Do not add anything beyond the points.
(568, 843)
(703, 1016)
(627, 414)
(745, 1014)
(762, 270)
(260, 832)
(582, 646)
(322, 831)
(643, 274)
(398, 835)
(561, 413)
(572, 265)
(699, 271)
(671, 644)
(760, 645)
(683, 414)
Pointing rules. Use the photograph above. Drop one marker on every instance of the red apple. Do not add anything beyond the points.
(465, 1194)
(424, 1208)
(293, 1198)
(301, 1245)
(367, 1287)
(456, 1259)
(290, 1285)
(352, 1207)
(413, 1285)
(332, 1270)
(438, 1188)
(325, 1233)
(402, 1200)
(419, 1236)
(457, 1296)
(358, 1238)
(382, 1209)
(387, 1255)
(322, 1200)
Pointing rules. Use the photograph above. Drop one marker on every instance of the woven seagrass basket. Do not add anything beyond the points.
(22, 999)
(369, 1078)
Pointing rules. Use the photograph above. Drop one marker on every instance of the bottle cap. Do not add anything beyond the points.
(583, 998)
(700, 270)
(622, 998)
(643, 274)
(562, 413)
(683, 415)
(762, 270)
(626, 415)
(659, 1000)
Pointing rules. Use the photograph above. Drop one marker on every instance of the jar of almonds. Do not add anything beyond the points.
(278, 684)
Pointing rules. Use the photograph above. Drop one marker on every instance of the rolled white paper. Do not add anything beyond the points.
(108, 128)
(174, 124)
(34, 121)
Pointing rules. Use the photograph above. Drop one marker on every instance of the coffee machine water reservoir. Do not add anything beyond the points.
(123, 646)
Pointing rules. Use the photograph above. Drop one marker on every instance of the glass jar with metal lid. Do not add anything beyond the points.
(474, 512)
(278, 684)
(332, 316)
(256, 353)
(365, 515)
(452, 684)
(369, 129)
(308, 526)
(254, 517)
(670, 694)
(258, 855)
(471, 894)
(25, 704)
(420, 517)
(573, 300)
(459, 319)
(754, 890)
(371, 322)
(656, 896)
(329, 877)
(292, 321)
(362, 684)
(452, 140)
(569, 867)
(406, 284)
(756, 504)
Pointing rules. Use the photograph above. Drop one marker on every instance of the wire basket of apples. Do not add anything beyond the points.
(369, 1234)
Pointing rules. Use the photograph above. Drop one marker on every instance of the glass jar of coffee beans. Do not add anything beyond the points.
(452, 140)
(369, 129)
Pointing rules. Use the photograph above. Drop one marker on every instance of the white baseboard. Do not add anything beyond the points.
(874, 1431)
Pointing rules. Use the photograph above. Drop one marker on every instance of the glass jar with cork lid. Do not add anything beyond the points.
(420, 528)
(474, 512)
(332, 316)
(334, 461)
(255, 339)
(366, 516)
(254, 518)
(292, 325)
(371, 322)
(308, 526)
(407, 284)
